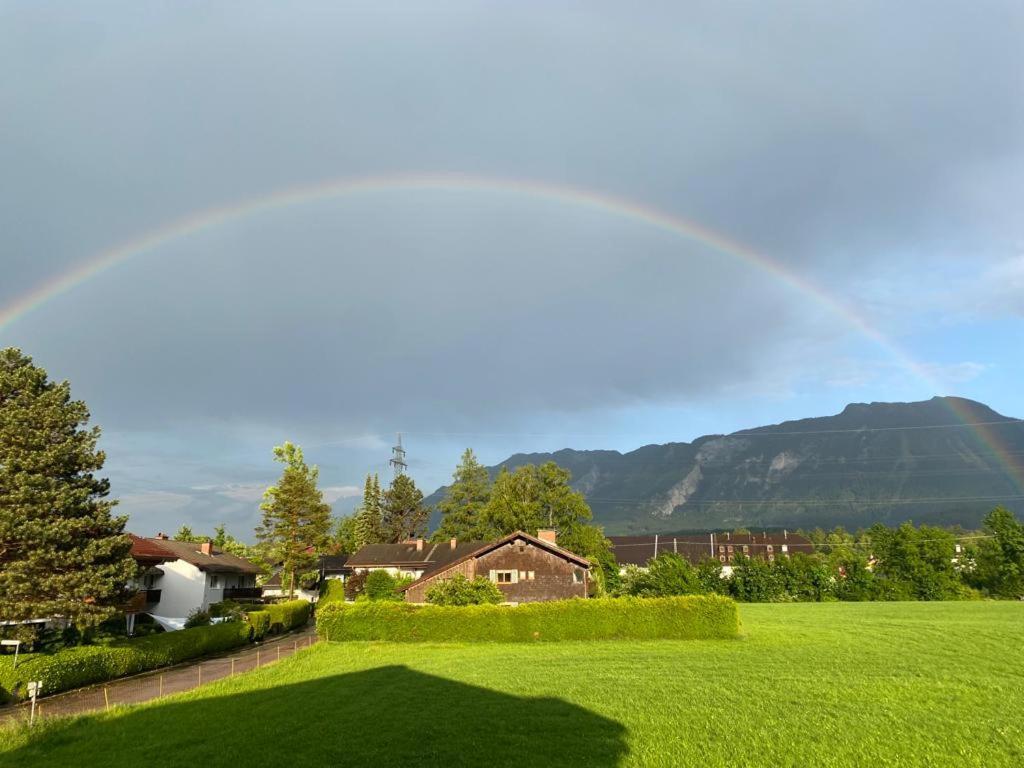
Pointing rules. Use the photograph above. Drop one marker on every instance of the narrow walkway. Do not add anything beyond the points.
(163, 682)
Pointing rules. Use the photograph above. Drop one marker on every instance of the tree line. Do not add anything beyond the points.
(879, 563)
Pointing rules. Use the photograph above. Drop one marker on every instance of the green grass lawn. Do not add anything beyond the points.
(864, 684)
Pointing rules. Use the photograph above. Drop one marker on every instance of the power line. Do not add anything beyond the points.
(759, 432)
(665, 540)
(823, 502)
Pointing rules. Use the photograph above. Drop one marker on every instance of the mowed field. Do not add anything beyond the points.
(841, 684)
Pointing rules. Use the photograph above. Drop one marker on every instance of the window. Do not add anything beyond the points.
(771, 548)
(526, 575)
(721, 548)
(505, 577)
(214, 581)
(721, 558)
(577, 576)
(771, 558)
(746, 550)
(730, 549)
(785, 548)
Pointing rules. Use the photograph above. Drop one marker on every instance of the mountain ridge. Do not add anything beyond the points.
(881, 461)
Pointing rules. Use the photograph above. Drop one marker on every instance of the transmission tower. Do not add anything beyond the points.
(397, 461)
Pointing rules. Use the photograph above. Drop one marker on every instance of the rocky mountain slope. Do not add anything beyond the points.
(942, 461)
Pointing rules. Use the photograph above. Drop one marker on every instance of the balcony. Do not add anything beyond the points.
(243, 593)
(139, 602)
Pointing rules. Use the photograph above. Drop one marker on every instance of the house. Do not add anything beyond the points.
(335, 567)
(409, 559)
(193, 576)
(525, 568)
(638, 550)
(304, 590)
(149, 556)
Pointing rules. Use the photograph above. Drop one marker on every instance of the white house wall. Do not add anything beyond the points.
(182, 590)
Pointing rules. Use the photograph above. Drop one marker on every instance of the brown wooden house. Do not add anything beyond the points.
(525, 568)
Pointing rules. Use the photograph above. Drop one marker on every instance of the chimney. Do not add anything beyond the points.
(162, 536)
(206, 547)
(419, 545)
(454, 542)
(550, 535)
(785, 534)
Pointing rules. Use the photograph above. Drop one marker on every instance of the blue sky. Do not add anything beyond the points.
(874, 150)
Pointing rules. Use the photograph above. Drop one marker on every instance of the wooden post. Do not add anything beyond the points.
(257, 658)
(296, 646)
(200, 669)
(232, 668)
(106, 698)
(161, 693)
(278, 651)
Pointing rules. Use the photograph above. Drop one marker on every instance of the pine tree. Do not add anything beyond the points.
(404, 515)
(296, 520)
(62, 552)
(462, 507)
(368, 528)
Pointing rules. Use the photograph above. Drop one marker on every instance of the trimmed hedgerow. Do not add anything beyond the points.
(626, 618)
(259, 621)
(287, 616)
(333, 591)
(88, 664)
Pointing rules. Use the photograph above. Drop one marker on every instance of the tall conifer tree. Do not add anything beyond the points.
(296, 521)
(404, 514)
(464, 502)
(62, 552)
(368, 527)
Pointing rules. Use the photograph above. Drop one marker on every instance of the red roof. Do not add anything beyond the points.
(148, 549)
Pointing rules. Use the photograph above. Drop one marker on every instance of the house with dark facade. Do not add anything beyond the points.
(724, 546)
(525, 568)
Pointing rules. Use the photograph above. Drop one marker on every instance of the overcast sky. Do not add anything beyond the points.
(873, 149)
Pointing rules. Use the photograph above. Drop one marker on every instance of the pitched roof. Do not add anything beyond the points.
(219, 562)
(490, 546)
(149, 550)
(638, 550)
(405, 555)
(334, 562)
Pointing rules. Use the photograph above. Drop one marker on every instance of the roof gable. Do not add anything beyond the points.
(504, 541)
(219, 562)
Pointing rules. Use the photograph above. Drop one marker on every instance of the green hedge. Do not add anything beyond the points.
(287, 616)
(260, 623)
(88, 664)
(333, 591)
(626, 618)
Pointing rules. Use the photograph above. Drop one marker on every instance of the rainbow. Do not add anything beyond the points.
(600, 202)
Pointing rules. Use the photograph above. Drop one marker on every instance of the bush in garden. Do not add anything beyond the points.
(458, 590)
(381, 585)
(198, 618)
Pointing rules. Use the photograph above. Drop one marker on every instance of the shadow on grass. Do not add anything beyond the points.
(389, 716)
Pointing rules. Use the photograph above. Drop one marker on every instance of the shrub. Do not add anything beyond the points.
(381, 585)
(287, 616)
(626, 618)
(198, 618)
(332, 591)
(88, 664)
(458, 590)
(665, 576)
